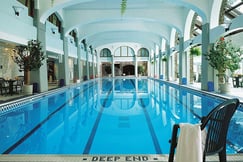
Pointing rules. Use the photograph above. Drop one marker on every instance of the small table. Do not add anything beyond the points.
(10, 84)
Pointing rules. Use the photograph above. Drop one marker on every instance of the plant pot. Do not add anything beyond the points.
(28, 89)
(221, 78)
(224, 88)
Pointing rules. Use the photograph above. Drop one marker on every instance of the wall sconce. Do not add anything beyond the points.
(91, 48)
(17, 10)
(190, 42)
(173, 49)
(227, 26)
(54, 30)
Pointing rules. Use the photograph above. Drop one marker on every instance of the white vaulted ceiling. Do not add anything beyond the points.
(146, 22)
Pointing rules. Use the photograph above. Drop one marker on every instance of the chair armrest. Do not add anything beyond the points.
(173, 142)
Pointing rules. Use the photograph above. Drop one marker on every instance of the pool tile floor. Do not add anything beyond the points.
(103, 158)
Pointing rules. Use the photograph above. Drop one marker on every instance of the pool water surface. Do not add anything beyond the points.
(107, 116)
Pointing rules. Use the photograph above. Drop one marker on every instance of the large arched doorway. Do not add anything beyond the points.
(128, 70)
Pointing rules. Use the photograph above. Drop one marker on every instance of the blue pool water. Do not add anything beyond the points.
(107, 116)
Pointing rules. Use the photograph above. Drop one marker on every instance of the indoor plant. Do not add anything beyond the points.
(164, 58)
(195, 51)
(123, 6)
(224, 55)
(29, 58)
(141, 70)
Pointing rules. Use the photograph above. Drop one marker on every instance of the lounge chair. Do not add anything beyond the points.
(216, 124)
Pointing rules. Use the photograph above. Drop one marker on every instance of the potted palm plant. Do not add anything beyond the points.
(224, 55)
(29, 58)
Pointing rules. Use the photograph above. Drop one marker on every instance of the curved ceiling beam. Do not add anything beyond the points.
(171, 16)
(152, 27)
(166, 14)
(201, 7)
(47, 7)
(146, 39)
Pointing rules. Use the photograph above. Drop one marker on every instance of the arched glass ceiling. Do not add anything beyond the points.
(233, 9)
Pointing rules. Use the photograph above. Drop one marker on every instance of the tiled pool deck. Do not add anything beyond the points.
(104, 158)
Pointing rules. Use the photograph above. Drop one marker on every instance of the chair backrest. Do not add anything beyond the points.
(2, 82)
(216, 124)
(20, 80)
(20, 77)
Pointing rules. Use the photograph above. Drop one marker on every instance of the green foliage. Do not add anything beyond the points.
(30, 57)
(141, 69)
(224, 55)
(164, 58)
(123, 6)
(195, 51)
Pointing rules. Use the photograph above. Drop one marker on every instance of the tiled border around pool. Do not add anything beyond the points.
(103, 158)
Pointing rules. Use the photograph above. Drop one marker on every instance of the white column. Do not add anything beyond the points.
(207, 72)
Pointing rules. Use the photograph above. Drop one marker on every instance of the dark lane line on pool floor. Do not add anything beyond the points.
(150, 125)
(26, 136)
(96, 124)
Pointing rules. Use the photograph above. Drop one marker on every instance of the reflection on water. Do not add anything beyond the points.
(110, 112)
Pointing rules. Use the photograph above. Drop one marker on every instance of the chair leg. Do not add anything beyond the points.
(204, 158)
(173, 143)
(222, 155)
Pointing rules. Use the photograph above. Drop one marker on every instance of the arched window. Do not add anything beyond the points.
(124, 51)
(230, 10)
(54, 20)
(105, 53)
(73, 34)
(143, 52)
(30, 4)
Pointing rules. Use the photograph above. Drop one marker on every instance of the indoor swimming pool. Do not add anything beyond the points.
(107, 116)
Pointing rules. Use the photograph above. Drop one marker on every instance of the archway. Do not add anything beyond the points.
(128, 70)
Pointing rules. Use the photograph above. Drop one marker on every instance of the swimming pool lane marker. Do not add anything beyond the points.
(21, 140)
(150, 125)
(94, 129)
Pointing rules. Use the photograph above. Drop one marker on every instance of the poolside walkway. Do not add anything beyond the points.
(8, 97)
(234, 92)
(105, 158)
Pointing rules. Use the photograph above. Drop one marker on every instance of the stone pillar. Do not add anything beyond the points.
(136, 65)
(78, 72)
(87, 58)
(63, 66)
(207, 72)
(40, 76)
(182, 63)
(113, 66)
(154, 64)
(92, 53)
(160, 59)
(168, 63)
